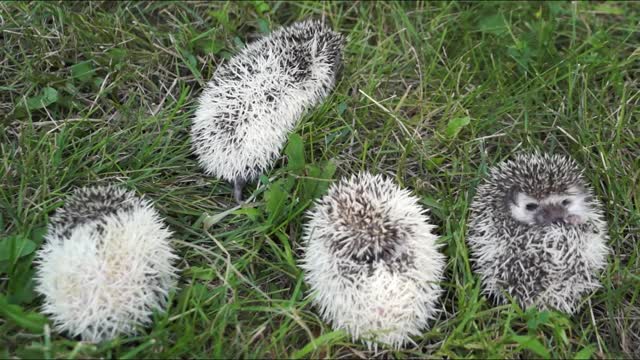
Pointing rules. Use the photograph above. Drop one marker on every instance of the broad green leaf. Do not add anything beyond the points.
(212, 46)
(325, 339)
(317, 180)
(199, 292)
(190, 59)
(431, 203)
(261, 7)
(532, 344)
(609, 10)
(328, 170)
(211, 220)
(251, 213)
(275, 198)
(433, 163)
(264, 180)
(136, 352)
(555, 8)
(521, 52)
(536, 318)
(117, 54)
(455, 125)
(494, 24)
(222, 16)
(263, 26)
(239, 44)
(201, 273)
(586, 353)
(342, 107)
(15, 247)
(21, 284)
(30, 320)
(97, 82)
(47, 97)
(295, 153)
(82, 71)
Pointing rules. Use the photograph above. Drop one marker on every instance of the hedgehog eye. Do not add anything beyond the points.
(531, 206)
(566, 202)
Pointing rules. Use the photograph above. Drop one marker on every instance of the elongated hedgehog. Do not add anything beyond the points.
(106, 264)
(537, 232)
(371, 260)
(257, 98)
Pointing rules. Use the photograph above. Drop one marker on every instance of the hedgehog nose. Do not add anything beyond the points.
(554, 215)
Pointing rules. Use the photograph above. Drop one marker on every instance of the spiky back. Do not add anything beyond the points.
(106, 264)
(90, 204)
(255, 99)
(371, 260)
(543, 265)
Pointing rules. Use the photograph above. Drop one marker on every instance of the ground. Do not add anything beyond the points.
(431, 94)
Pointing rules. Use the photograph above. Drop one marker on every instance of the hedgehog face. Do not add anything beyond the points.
(567, 207)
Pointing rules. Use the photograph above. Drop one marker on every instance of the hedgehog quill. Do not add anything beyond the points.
(254, 100)
(106, 264)
(371, 261)
(537, 233)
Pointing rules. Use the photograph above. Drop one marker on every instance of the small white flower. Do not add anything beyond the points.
(537, 233)
(106, 264)
(255, 99)
(371, 261)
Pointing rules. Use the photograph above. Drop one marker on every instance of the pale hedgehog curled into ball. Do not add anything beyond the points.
(371, 261)
(256, 98)
(106, 264)
(537, 232)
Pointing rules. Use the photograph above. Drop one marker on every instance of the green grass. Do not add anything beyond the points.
(95, 93)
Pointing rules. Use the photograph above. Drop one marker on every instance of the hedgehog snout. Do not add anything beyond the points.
(551, 214)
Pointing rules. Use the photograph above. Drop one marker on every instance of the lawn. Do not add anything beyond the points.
(431, 94)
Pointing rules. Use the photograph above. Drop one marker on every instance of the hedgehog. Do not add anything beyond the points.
(106, 264)
(537, 233)
(371, 261)
(255, 99)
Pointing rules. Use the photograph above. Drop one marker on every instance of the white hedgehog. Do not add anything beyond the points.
(106, 264)
(256, 98)
(537, 232)
(371, 261)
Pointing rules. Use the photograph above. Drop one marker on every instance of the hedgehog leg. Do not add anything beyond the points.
(238, 185)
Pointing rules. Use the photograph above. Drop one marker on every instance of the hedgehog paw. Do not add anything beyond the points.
(238, 185)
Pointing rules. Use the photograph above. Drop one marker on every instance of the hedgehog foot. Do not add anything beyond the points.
(238, 185)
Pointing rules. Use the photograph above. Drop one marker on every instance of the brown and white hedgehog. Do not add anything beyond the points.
(371, 261)
(106, 264)
(255, 99)
(537, 232)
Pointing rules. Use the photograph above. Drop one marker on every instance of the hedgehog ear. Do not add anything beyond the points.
(512, 194)
(576, 189)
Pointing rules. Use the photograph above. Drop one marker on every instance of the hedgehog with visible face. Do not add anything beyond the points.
(106, 264)
(537, 233)
(371, 261)
(256, 98)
